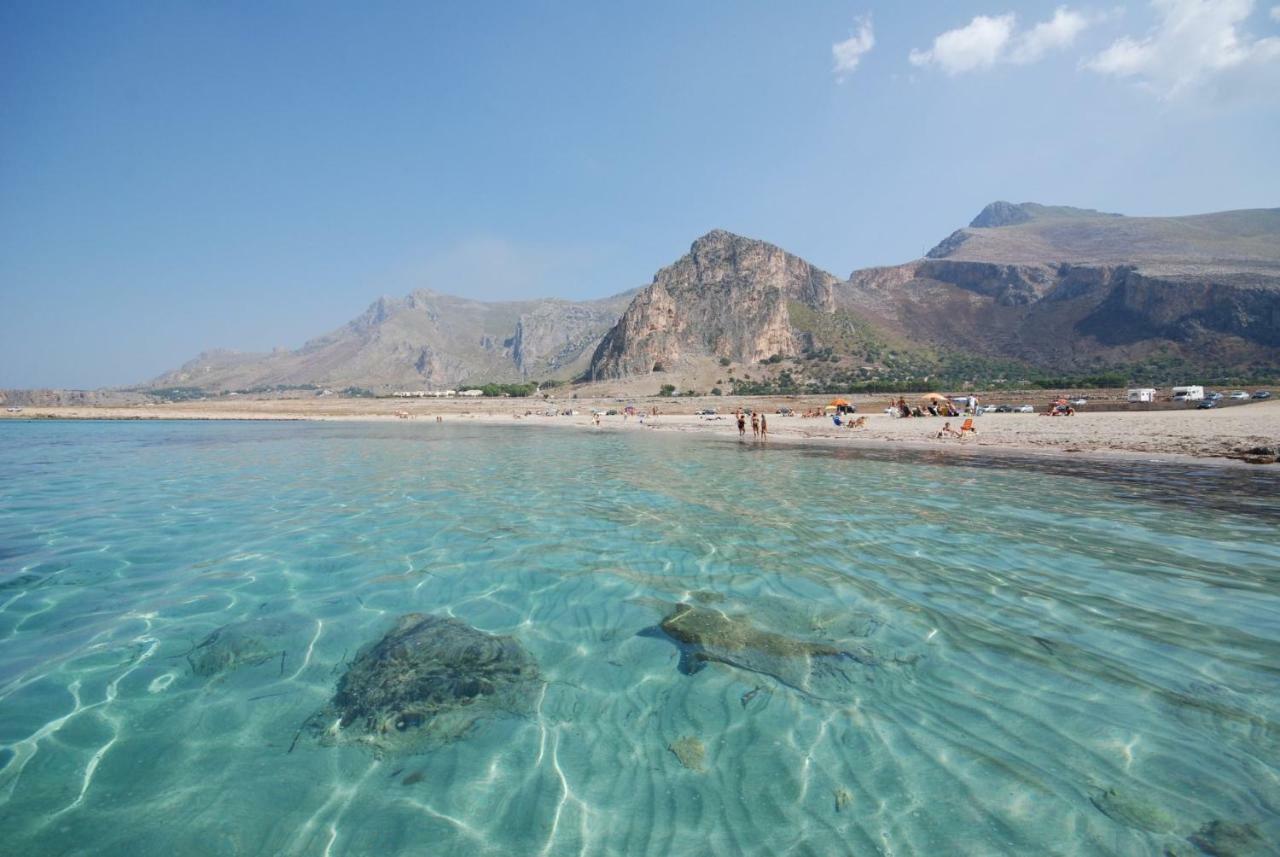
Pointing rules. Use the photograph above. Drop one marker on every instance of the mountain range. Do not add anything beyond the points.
(1025, 290)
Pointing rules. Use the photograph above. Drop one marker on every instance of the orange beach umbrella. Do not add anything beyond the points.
(838, 403)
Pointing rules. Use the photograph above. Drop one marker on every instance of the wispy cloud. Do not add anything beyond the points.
(849, 53)
(1275, 13)
(979, 44)
(1193, 44)
(1056, 33)
(991, 39)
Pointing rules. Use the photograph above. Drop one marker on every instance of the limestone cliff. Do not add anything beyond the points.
(421, 341)
(727, 297)
(1055, 288)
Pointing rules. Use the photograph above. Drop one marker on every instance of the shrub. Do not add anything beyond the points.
(667, 390)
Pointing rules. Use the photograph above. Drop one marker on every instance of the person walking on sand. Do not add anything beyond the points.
(742, 425)
(764, 427)
(755, 425)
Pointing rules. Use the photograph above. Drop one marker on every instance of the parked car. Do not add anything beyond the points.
(612, 412)
(1239, 394)
(707, 412)
(1214, 396)
(1004, 409)
(1262, 394)
(1024, 409)
(1079, 402)
(785, 412)
(1207, 404)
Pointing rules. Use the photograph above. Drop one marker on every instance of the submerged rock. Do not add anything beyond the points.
(429, 680)
(1229, 839)
(241, 644)
(704, 636)
(1133, 811)
(691, 752)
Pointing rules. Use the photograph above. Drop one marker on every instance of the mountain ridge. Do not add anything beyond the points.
(1048, 288)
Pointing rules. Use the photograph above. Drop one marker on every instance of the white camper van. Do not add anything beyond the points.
(1188, 394)
(1142, 394)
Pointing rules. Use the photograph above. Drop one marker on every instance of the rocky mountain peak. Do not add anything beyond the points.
(728, 297)
(1001, 213)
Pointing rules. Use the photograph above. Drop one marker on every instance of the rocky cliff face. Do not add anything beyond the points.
(1056, 288)
(728, 297)
(422, 341)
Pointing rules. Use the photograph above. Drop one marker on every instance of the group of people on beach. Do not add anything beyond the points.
(931, 408)
(759, 424)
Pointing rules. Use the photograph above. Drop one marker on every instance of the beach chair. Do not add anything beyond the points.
(967, 427)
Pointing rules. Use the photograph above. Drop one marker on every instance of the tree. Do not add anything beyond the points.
(725, 361)
(667, 390)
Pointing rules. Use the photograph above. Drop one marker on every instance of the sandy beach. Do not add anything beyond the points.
(1224, 434)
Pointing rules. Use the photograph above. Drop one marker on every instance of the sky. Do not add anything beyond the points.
(180, 176)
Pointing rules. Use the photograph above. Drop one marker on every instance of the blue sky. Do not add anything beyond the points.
(181, 176)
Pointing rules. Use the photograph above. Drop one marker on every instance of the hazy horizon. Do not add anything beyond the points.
(177, 178)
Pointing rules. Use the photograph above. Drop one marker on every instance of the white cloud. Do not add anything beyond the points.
(976, 45)
(987, 40)
(849, 52)
(1194, 43)
(1275, 13)
(1055, 34)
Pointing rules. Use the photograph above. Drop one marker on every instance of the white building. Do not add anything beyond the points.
(1142, 394)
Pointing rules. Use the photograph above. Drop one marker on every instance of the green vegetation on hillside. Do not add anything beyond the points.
(513, 390)
(180, 394)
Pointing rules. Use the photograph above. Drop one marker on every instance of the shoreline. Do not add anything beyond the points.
(1215, 438)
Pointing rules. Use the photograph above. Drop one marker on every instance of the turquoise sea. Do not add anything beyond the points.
(926, 655)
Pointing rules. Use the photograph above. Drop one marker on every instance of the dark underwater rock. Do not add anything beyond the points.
(429, 680)
(241, 644)
(1229, 839)
(704, 635)
(1133, 811)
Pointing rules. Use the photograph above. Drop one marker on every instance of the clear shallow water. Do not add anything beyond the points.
(1053, 660)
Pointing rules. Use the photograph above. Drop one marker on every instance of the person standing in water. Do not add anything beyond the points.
(755, 425)
(742, 425)
(764, 426)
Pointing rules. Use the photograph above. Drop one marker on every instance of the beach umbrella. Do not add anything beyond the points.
(933, 397)
(838, 403)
